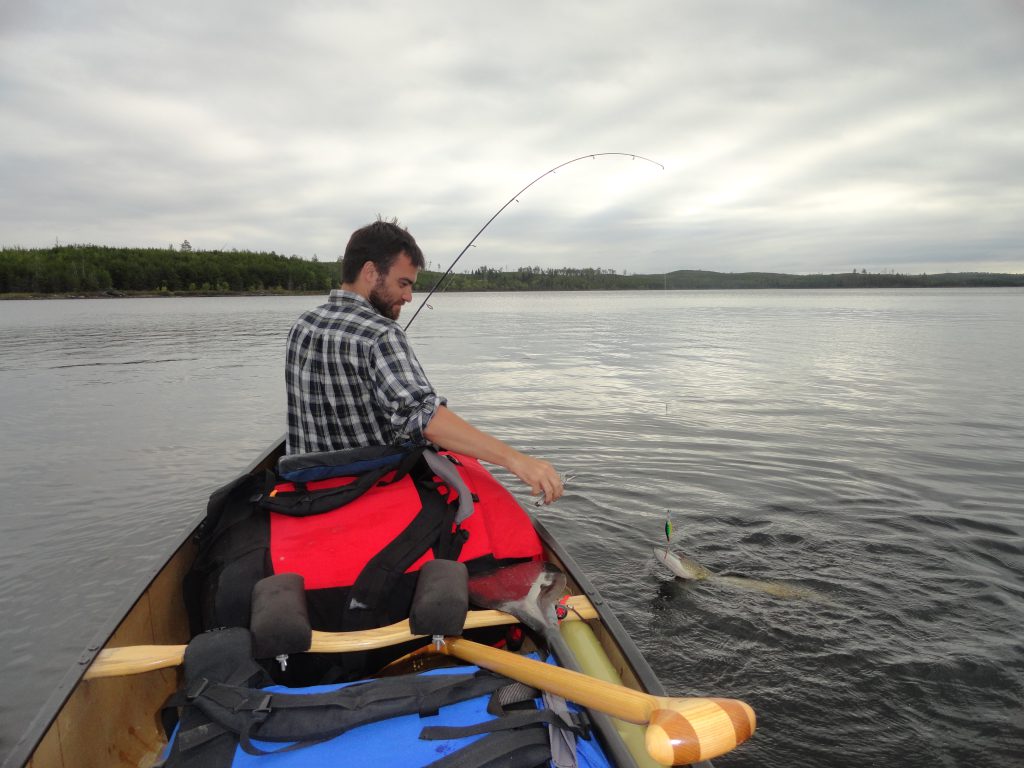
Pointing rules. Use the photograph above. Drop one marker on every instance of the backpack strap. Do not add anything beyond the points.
(507, 722)
(348, 462)
(303, 502)
(432, 528)
(563, 728)
(219, 716)
(521, 747)
(226, 655)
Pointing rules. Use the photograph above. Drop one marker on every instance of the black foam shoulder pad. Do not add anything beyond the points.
(441, 600)
(280, 620)
(224, 656)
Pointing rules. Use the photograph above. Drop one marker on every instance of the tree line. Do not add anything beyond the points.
(92, 269)
(569, 279)
(100, 269)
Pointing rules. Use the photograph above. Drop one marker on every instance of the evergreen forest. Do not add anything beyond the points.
(90, 270)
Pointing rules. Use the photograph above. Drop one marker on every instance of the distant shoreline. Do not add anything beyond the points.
(92, 271)
(63, 296)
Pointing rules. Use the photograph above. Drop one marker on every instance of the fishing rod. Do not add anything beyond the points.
(511, 200)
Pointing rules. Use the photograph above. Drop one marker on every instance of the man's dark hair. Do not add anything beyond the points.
(379, 242)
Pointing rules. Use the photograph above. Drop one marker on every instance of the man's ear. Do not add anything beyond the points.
(369, 273)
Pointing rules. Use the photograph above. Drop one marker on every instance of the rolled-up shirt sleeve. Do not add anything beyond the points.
(404, 394)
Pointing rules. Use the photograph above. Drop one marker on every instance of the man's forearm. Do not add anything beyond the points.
(456, 434)
(450, 431)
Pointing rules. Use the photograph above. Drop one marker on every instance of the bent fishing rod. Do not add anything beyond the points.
(511, 200)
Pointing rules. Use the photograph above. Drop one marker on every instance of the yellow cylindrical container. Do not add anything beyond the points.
(595, 662)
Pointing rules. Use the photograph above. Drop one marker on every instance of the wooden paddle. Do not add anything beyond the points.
(679, 730)
(131, 660)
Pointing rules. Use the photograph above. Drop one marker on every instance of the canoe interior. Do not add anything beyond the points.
(107, 722)
(115, 721)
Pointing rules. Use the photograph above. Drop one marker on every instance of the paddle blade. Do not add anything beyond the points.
(528, 591)
(690, 730)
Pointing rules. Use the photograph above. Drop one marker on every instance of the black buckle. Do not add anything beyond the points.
(262, 712)
(581, 724)
(196, 689)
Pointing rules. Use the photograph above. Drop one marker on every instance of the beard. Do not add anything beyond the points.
(383, 303)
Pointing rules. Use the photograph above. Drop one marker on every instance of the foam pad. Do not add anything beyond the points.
(280, 621)
(441, 600)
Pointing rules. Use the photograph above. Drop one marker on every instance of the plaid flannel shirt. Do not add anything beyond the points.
(353, 380)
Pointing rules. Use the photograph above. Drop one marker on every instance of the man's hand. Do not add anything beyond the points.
(539, 475)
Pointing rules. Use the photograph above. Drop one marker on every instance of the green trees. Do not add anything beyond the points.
(541, 279)
(78, 269)
(56, 270)
(91, 269)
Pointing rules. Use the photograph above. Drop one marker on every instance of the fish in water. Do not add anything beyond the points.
(682, 566)
(687, 568)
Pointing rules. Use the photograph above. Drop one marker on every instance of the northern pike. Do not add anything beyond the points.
(682, 566)
(689, 569)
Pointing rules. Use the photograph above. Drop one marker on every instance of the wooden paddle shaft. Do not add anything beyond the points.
(680, 730)
(132, 660)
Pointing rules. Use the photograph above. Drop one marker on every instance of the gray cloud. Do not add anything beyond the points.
(797, 136)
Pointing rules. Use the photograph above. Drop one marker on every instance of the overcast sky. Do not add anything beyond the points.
(797, 136)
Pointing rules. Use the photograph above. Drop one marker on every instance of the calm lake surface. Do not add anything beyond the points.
(867, 445)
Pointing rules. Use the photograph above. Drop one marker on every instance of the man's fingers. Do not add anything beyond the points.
(542, 479)
(552, 489)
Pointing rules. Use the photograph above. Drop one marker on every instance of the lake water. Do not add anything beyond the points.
(868, 445)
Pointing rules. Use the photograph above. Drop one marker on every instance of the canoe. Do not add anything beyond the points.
(114, 721)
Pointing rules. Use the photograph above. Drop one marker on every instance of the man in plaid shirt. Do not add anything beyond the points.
(353, 380)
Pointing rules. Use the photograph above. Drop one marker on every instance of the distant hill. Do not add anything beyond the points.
(100, 270)
(697, 279)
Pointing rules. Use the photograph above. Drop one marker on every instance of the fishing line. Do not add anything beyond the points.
(514, 199)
